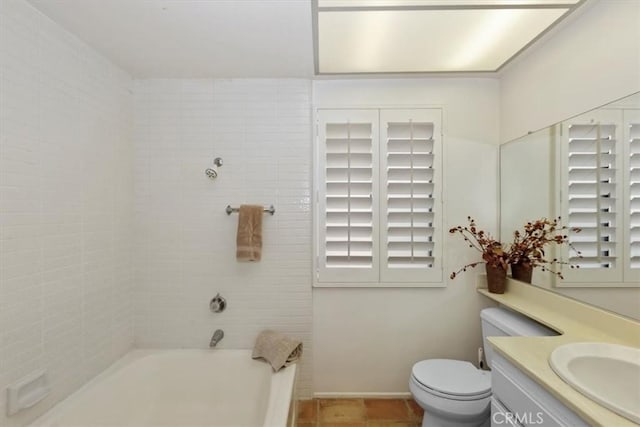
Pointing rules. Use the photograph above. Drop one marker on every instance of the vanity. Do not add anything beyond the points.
(526, 390)
(518, 400)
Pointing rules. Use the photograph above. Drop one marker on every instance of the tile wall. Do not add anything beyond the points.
(185, 242)
(66, 200)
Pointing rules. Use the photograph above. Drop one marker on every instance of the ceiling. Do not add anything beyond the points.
(194, 38)
(275, 38)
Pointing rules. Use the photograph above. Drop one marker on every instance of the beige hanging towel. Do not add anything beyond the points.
(277, 349)
(249, 237)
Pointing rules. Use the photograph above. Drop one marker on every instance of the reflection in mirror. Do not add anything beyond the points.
(598, 195)
(526, 183)
(586, 170)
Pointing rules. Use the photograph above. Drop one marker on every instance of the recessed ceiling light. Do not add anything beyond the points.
(421, 36)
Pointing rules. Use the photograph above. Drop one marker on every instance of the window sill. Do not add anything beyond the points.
(381, 285)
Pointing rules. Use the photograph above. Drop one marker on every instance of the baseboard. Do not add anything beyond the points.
(361, 395)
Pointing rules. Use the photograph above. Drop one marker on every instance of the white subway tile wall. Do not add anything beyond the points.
(185, 242)
(66, 207)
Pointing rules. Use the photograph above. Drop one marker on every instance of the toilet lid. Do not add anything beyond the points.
(453, 377)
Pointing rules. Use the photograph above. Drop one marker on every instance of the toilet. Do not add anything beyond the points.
(454, 393)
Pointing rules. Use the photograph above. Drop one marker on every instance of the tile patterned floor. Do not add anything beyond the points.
(359, 413)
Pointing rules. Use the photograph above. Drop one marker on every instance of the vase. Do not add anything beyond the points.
(496, 279)
(522, 271)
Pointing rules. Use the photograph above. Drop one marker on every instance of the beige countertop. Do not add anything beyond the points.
(575, 322)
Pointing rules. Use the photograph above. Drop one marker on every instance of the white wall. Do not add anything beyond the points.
(366, 340)
(66, 187)
(592, 59)
(186, 242)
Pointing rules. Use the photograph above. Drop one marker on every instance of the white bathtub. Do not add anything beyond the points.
(180, 388)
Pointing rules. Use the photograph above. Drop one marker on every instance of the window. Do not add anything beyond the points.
(378, 201)
(600, 159)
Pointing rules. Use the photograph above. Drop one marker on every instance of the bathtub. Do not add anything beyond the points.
(180, 388)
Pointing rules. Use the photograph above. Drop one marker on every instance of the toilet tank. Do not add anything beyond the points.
(501, 322)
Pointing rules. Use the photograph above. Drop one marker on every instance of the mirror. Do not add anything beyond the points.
(585, 170)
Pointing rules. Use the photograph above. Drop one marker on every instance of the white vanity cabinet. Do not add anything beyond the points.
(519, 401)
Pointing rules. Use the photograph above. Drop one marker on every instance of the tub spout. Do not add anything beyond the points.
(217, 336)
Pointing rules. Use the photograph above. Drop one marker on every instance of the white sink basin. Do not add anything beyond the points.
(606, 373)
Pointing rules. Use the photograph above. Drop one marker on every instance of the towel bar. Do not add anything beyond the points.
(229, 210)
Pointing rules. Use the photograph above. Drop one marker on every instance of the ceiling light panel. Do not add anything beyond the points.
(423, 40)
(367, 4)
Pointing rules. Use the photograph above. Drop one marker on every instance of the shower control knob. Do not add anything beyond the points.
(217, 304)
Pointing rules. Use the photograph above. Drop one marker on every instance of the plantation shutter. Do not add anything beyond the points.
(592, 164)
(410, 196)
(632, 169)
(347, 196)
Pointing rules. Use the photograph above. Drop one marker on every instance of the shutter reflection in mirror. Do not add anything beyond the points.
(592, 155)
(632, 168)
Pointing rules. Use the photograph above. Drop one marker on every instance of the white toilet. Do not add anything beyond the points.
(455, 393)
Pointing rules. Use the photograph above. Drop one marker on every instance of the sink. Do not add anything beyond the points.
(606, 373)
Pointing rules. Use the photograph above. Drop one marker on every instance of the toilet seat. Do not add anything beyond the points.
(452, 379)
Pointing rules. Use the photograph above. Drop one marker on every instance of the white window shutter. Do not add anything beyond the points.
(631, 166)
(347, 196)
(410, 188)
(592, 201)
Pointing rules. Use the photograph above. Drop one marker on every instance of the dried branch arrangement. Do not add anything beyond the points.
(527, 248)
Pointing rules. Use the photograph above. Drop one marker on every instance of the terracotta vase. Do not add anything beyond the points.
(522, 271)
(496, 279)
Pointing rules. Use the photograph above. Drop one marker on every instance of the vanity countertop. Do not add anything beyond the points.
(575, 322)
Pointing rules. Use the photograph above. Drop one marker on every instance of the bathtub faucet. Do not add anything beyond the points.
(217, 336)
